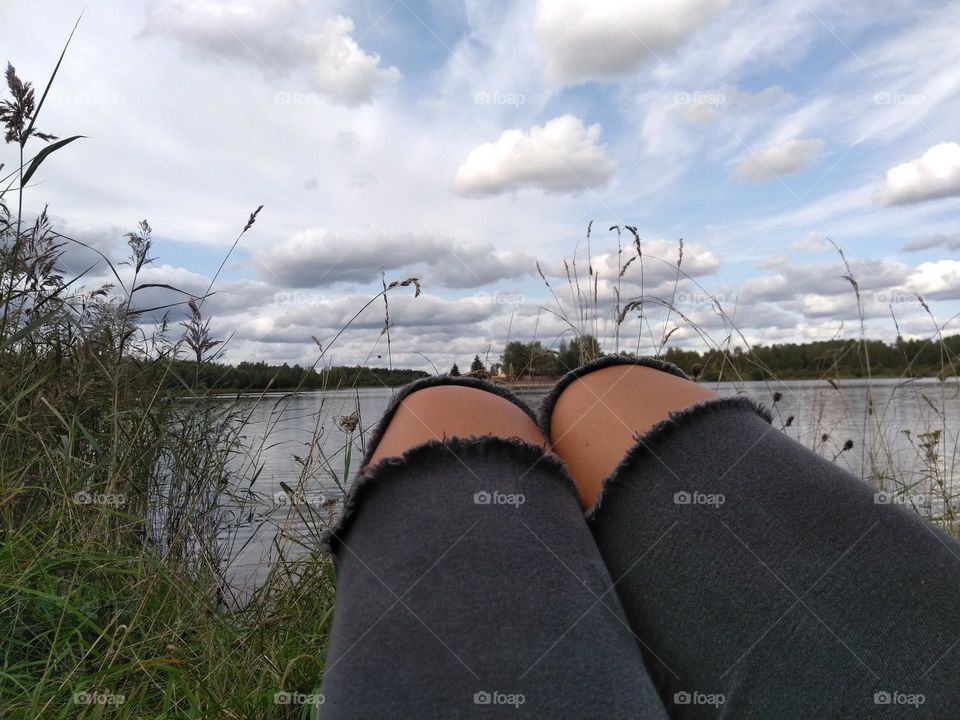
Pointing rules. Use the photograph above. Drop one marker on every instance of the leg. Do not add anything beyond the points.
(440, 412)
(763, 580)
(597, 418)
(467, 581)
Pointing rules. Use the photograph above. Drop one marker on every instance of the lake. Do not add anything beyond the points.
(297, 440)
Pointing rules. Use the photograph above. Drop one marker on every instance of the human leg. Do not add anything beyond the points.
(753, 570)
(467, 580)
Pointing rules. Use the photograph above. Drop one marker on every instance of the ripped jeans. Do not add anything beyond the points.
(726, 571)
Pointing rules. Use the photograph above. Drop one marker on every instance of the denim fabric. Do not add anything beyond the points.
(751, 568)
(468, 585)
(725, 572)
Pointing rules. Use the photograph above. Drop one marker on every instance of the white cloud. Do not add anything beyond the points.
(936, 174)
(279, 40)
(658, 262)
(224, 297)
(950, 242)
(825, 278)
(587, 40)
(164, 289)
(940, 279)
(562, 156)
(342, 70)
(779, 159)
(317, 258)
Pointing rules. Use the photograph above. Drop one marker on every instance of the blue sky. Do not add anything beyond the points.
(462, 142)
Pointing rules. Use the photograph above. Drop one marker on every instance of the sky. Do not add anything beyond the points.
(463, 143)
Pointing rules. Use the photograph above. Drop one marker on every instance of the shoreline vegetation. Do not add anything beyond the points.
(260, 376)
(125, 477)
(833, 359)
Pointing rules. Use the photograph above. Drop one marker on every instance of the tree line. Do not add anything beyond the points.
(827, 358)
(787, 361)
(250, 376)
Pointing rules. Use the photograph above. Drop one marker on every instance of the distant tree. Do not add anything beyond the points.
(579, 351)
(477, 364)
(529, 359)
(455, 371)
(514, 358)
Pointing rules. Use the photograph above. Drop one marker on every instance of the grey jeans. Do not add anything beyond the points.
(725, 572)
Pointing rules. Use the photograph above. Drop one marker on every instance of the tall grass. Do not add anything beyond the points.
(925, 477)
(124, 485)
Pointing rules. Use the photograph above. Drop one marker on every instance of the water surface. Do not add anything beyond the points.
(300, 441)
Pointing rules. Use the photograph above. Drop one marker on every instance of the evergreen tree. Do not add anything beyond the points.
(455, 371)
(477, 364)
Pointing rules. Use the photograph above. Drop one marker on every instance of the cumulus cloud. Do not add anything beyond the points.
(587, 40)
(300, 312)
(779, 159)
(936, 174)
(659, 263)
(317, 258)
(562, 156)
(224, 297)
(950, 242)
(940, 279)
(275, 38)
(824, 279)
(655, 276)
(87, 246)
(821, 290)
(342, 69)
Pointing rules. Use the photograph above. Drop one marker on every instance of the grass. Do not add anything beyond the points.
(914, 463)
(123, 485)
(124, 481)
